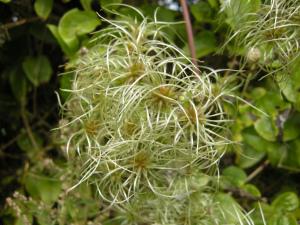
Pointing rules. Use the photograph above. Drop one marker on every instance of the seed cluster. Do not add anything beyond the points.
(271, 35)
(145, 122)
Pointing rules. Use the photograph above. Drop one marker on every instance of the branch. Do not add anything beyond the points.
(18, 23)
(28, 128)
(239, 193)
(258, 170)
(188, 27)
(15, 138)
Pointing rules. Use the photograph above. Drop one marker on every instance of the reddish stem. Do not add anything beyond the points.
(188, 26)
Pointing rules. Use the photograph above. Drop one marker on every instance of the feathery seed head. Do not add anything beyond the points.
(142, 114)
(271, 36)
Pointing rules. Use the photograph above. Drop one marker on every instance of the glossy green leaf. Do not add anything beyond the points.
(25, 143)
(81, 209)
(238, 11)
(266, 128)
(257, 216)
(86, 4)
(199, 180)
(291, 129)
(37, 69)
(201, 11)
(23, 220)
(251, 189)
(213, 3)
(43, 8)
(292, 158)
(295, 73)
(248, 156)
(287, 87)
(18, 83)
(277, 153)
(252, 138)
(235, 175)
(270, 103)
(43, 217)
(41, 33)
(294, 81)
(65, 83)
(278, 219)
(42, 187)
(104, 3)
(286, 202)
(76, 23)
(230, 209)
(5, 1)
(67, 49)
(162, 14)
(85, 206)
(258, 93)
(205, 43)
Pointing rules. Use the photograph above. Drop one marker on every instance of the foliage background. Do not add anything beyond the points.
(36, 40)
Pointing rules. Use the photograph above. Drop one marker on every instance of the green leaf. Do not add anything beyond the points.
(43, 8)
(270, 102)
(276, 153)
(286, 202)
(68, 50)
(36, 29)
(43, 217)
(18, 83)
(5, 1)
(291, 128)
(238, 11)
(258, 93)
(254, 140)
(257, 215)
(230, 209)
(251, 189)
(287, 87)
(104, 3)
(76, 23)
(249, 157)
(205, 43)
(278, 219)
(295, 73)
(65, 82)
(37, 69)
(81, 209)
(198, 181)
(266, 128)
(86, 4)
(201, 11)
(293, 154)
(163, 14)
(235, 175)
(26, 145)
(213, 3)
(295, 76)
(42, 187)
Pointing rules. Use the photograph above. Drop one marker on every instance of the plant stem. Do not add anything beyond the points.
(258, 170)
(188, 26)
(18, 23)
(244, 195)
(28, 128)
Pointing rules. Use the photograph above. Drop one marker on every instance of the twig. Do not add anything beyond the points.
(28, 128)
(18, 23)
(38, 123)
(244, 195)
(258, 170)
(10, 142)
(188, 26)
